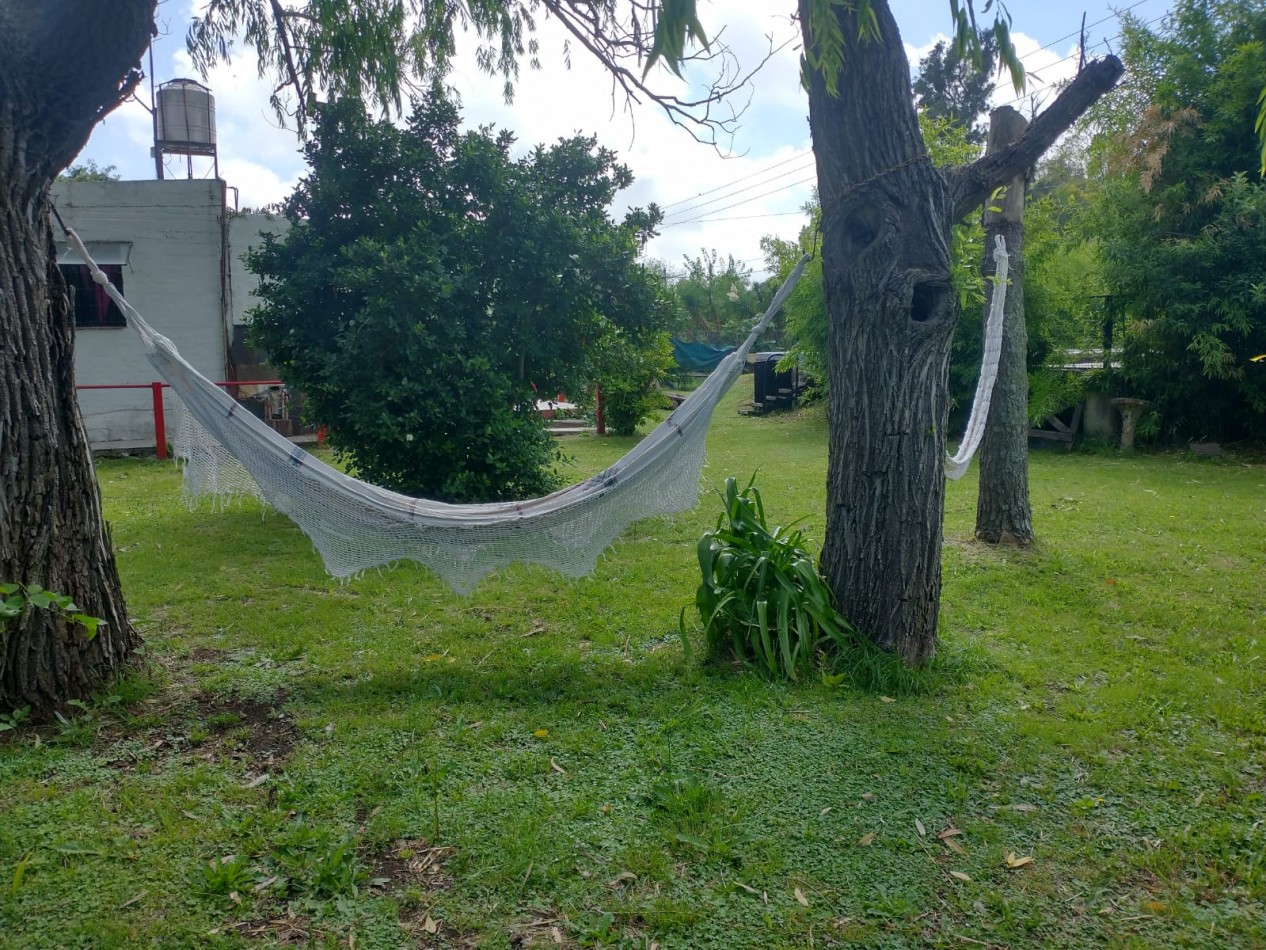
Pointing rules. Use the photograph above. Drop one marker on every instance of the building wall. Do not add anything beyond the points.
(173, 278)
(244, 233)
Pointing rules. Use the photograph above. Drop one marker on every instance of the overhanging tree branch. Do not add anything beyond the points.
(971, 184)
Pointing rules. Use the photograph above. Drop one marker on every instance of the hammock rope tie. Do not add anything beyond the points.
(355, 526)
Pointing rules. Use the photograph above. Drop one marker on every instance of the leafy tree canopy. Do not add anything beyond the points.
(717, 300)
(89, 171)
(956, 87)
(376, 49)
(1183, 220)
(431, 286)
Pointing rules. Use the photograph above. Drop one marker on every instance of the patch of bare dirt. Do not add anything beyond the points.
(258, 733)
(280, 931)
(412, 862)
(543, 928)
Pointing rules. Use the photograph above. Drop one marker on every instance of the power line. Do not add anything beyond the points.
(736, 181)
(1071, 56)
(745, 201)
(739, 191)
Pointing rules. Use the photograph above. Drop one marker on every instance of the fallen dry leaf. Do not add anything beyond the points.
(953, 845)
(541, 733)
(866, 840)
(130, 901)
(1156, 906)
(959, 876)
(800, 898)
(431, 925)
(557, 768)
(868, 796)
(750, 890)
(918, 826)
(622, 878)
(886, 699)
(948, 833)
(1014, 862)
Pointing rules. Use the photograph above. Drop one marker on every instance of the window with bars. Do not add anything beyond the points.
(91, 306)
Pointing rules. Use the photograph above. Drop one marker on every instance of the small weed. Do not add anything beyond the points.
(14, 718)
(699, 818)
(230, 874)
(312, 862)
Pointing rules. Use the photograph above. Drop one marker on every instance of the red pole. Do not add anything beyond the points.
(160, 423)
(601, 417)
(323, 433)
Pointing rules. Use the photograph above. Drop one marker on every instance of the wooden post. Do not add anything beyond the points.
(1003, 513)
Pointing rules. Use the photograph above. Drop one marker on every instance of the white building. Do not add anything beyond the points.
(174, 249)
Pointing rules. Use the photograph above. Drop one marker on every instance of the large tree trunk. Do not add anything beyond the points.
(892, 308)
(65, 64)
(1003, 514)
(886, 217)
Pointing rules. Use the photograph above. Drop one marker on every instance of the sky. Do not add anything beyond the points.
(714, 199)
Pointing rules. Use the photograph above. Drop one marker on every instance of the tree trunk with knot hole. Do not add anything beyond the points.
(886, 218)
(56, 82)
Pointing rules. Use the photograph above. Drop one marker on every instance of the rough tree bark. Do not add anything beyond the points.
(886, 217)
(63, 65)
(1003, 514)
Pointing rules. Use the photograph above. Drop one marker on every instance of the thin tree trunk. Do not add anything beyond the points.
(1003, 514)
(66, 63)
(886, 217)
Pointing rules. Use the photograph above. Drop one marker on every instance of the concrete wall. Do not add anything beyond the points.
(173, 278)
(244, 232)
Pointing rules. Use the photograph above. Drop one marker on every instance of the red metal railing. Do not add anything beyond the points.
(160, 419)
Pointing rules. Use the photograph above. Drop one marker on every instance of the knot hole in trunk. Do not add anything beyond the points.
(861, 228)
(931, 301)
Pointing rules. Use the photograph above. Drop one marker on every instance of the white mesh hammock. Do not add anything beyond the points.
(227, 451)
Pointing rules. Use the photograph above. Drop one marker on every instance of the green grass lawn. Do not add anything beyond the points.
(383, 763)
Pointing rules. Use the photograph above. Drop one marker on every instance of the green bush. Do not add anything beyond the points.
(629, 393)
(431, 284)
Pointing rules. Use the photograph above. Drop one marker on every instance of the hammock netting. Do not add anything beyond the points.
(227, 452)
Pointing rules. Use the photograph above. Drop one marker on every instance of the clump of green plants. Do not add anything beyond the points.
(763, 601)
(761, 598)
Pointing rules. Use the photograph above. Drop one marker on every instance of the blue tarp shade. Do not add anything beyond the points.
(699, 357)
